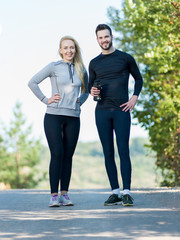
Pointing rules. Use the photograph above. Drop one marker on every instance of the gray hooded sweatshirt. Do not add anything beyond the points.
(65, 81)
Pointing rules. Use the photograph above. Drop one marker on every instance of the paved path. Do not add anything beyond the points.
(24, 215)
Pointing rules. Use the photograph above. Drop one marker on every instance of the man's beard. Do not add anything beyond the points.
(107, 48)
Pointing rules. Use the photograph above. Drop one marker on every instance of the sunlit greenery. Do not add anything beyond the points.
(89, 169)
(19, 153)
(149, 30)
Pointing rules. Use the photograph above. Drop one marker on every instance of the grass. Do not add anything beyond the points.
(88, 169)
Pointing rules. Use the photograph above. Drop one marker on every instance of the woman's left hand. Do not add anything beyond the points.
(130, 104)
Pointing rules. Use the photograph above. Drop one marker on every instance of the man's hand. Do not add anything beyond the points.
(130, 104)
(94, 91)
(55, 98)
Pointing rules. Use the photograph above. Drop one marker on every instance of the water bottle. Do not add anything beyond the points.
(97, 84)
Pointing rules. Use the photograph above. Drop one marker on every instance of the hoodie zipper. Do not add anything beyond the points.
(71, 73)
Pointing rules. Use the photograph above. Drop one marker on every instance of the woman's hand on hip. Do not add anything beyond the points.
(55, 98)
(130, 104)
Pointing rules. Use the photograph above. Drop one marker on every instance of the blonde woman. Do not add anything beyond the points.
(69, 83)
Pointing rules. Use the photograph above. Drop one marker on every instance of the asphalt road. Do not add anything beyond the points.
(24, 214)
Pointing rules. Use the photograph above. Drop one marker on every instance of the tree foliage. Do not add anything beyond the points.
(19, 153)
(149, 30)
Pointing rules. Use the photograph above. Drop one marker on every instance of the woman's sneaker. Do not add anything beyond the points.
(113, 200)
(127, 200)
(54, 201)
(65, 201)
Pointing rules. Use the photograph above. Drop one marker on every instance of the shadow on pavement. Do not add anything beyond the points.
(24, 214)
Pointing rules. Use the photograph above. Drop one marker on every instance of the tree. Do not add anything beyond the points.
(19, 153)
(149, 30)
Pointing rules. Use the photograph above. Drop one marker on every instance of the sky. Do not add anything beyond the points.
(30, 32)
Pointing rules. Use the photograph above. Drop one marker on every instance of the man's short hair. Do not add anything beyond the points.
(103, 27)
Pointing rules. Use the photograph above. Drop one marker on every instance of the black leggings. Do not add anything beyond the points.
(62, 134)
(108, 121)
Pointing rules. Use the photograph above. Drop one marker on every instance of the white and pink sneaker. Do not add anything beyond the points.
(54, 201)
(65, 201)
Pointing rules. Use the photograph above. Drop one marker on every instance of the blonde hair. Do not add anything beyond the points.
(78, 62)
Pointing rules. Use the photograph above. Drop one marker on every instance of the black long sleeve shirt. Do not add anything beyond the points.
(113, 71)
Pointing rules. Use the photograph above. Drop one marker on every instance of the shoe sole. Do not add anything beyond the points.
(66, 204)
(128, 204)
(54, 205)
(112, 204)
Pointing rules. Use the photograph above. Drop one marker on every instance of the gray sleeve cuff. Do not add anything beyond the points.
(45, 100)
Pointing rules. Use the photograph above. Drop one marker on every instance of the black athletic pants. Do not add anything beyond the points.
(107, 122)
(62, 134)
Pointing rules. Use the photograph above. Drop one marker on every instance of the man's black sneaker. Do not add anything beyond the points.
(127, 200)
(113, 200)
